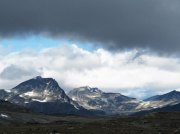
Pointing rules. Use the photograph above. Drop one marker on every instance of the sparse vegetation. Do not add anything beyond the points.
(154, 123)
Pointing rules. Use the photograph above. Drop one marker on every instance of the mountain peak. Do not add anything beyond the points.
(40, 90)
(38, 77)
(168, 96)
(87, 89)
(38, 84)
(93, 98)
(42, 95)
(174, 92)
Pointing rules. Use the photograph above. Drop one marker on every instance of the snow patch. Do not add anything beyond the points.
(47, 83)
(31, 93)
(93, 96)
(4, 116)
(45, 100)
(73, 98)
(82, 89)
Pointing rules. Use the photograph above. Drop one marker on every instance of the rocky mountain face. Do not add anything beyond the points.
(42, 95)
(116, 103)
(111, 103)
(159, 101)
(40, 90)
(167, 108)
(3, 94)
(171, 96)
(46, 96)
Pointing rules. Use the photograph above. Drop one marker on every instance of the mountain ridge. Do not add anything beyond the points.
(111, 103)
(43, 95)
(46, 96)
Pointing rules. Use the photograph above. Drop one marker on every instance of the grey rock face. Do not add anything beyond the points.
(111, 103)
(42, 95)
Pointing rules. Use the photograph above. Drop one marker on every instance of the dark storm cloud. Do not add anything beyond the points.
(121, 24)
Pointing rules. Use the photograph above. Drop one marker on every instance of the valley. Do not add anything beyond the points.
(154, 123)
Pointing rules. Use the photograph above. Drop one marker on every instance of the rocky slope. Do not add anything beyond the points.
(46, 96)
(43, 95)
(111, 103)
(159, 101)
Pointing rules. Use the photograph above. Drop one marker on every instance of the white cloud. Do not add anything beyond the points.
(129, 72)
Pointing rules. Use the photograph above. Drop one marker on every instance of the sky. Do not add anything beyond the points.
(126, 46)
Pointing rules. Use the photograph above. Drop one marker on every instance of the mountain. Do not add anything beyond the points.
(111, 103)
(168, 108)
(41, 90)
(46, 96)
(159, 101)
(43, 95)
(3, 94)
(173, 95)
